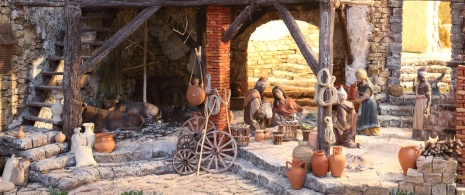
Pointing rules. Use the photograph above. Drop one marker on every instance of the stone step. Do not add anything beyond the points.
(43, 152)
(395, 121)
(410, 77)
(280, 82)
(443, 86)
(413, 59)
(35, 137)
(276, 183)
(291, 75)
(296, 59)
(408, 99)
(431, 69)
(394, 110)
(72, 177)
(295, 68)
(49, 164)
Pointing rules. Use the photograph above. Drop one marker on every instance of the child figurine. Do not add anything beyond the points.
(346, 122)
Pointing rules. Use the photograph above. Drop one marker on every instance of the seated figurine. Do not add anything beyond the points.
(345, 124)
(253, 113)
(285, 108)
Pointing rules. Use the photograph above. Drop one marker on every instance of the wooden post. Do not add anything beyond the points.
(345, 34)
(327, 13)
(144, 99)
(72, 55)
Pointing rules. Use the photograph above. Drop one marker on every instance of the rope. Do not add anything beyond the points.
(214, 103)
(329, 84)
(208, 89)
(204, 131)
(329, 133)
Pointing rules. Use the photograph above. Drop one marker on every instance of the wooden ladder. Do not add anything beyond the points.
(49, 76)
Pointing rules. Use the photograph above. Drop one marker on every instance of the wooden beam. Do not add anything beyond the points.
(150, 3)
(299, 38)
(238, 22)
(326, 61)
(72, 52)
(117, 38)
(201, 28)
(345, 34)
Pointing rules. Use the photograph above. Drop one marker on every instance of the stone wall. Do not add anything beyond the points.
(458, 30)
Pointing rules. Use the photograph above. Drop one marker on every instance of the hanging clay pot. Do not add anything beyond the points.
(296, 174)
(20, 134)
(408, 156)
(57, 109)
(104, 142)
(337, 162)
(89, 134)
(60, 137)
(259, 135)
(319, 163)
(313, 138)
(304, 152)
(195, 94)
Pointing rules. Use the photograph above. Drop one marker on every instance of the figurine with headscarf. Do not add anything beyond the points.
(253, 105)
(422, 103)
(345, 124)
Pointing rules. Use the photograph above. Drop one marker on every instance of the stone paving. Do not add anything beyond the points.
(205, 183)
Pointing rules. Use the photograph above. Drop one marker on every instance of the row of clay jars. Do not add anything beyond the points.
(261, 135)
(336, 163)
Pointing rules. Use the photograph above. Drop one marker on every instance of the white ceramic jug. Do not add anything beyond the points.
(89, 133)
(57, 109)
(78, 139)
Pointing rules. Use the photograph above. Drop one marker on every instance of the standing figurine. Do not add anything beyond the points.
(346, 122)
(422, 103)
(367, 122)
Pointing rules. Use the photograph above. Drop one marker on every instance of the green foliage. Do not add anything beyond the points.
(401, 192)
(133, 192)
(52, 191)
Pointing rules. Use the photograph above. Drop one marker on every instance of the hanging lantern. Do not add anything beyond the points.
(7, 40)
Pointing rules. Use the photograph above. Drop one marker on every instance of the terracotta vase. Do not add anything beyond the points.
(104, 142)
(304, 152)
(296, 174)
(57, 109)
(267, 134)
(408, 156)
(259, 135)
(60, 137)
(89, 133)
(195, 94)
(20, 134)
(337, 162)
(313, 138)
(319, 163)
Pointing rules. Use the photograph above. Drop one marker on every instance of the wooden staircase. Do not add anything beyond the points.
(56, 63)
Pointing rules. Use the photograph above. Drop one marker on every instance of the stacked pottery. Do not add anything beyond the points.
(319, 163)
(104, 142)
(304, 153)
(259, 135)
(408, 156)
(296, 174)
(337, 162)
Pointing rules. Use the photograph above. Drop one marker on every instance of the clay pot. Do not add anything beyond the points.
(313, 138)
(259, 135)
(319, 163)
(267, 134)
(236, 90)
(20, 134)
(296, 174)
(337, 162)
(60, 137)
(408, 156)
(304, 152)
(195, 94)
(104, 142)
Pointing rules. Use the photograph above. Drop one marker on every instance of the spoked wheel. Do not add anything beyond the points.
(195, 126)
(219, 151)
(185, 162)
(186, 141)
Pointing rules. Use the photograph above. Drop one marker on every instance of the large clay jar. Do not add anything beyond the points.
(60, 137)
(104, 142)
(319, 163)
(89, 133)
(408, 156)
(195, 94)
(296, 174)
(57, 109)
(259, 135)
(236, 90)
(337, 162)
(313, 138)
(304, 152)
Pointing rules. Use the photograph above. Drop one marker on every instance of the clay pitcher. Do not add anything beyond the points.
(296, 174)
(104, 142)
(89, 134)
(195, 94)
(319, 163)
(20, 134)
(337, 162)
(313, 138)
(408, 156)
(60, 137)
(304, 152)
(259, 135)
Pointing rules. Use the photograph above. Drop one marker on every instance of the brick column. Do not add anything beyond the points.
(460, 122)
(218, 62)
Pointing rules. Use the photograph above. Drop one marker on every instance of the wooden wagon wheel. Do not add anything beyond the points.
(195, 126)
(185, 162)
(219, 151)
(186, 141)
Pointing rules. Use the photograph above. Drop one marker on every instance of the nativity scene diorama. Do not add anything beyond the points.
(330, 97)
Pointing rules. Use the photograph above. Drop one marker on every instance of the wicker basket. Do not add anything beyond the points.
(7, 40)
(396, 90)
(241, 133)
